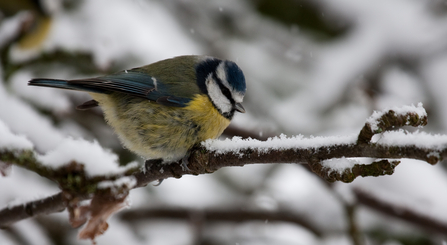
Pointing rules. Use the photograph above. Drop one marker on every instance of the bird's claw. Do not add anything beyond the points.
(185, 163)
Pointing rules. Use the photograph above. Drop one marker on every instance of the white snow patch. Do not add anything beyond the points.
(10, 27)
(418, 139)
(121, 30)
(127, 181)
(21, 118)
(236, 144)
(341, 164)
(11, 141)
(96, 160)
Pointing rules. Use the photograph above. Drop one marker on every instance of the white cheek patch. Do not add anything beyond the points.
(238, 97)
(219, 100)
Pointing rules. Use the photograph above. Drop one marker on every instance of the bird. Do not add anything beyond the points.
(161, 110)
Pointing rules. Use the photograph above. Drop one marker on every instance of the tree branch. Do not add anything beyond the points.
(382, 121)
(47, 205)
(77, 185)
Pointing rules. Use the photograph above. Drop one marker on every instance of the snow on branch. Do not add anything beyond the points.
(332, 158)
(381, 121)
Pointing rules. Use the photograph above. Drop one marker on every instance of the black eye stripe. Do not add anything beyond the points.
(225, 90)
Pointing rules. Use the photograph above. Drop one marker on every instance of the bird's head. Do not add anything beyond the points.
(224, 83)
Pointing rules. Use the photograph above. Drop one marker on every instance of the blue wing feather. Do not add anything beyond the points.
(131, 82)
(63, 84)
(141, 85)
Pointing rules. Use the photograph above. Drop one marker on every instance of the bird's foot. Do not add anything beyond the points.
(159, 182)
(152, 162)
(185, 163)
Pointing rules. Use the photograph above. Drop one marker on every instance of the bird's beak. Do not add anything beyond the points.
(239, 108)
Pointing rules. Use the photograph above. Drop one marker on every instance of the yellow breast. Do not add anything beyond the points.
(208, 117)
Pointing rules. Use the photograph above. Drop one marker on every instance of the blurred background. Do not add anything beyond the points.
(313, 67)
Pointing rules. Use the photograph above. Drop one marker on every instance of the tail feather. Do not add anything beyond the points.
(63, 84)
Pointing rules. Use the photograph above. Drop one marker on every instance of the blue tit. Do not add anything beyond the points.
(160, 111)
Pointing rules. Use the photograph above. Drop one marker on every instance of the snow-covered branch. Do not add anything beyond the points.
(332, 158)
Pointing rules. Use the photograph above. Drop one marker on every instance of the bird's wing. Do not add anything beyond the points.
(136, 83)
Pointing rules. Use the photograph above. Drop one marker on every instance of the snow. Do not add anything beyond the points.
(388, 138)
(21, 118)
(236, 144)
(127, 181)
(9, 140)
(24, 186)
(144, 30)
(8, 29)
(418, 139)
(341, 164)
(96, 160)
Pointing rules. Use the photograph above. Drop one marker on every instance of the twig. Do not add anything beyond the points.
(353, 230)
(47, 205)
(389, 120)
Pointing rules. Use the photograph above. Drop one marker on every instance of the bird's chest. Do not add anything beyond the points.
(210, 122)
(151, 129)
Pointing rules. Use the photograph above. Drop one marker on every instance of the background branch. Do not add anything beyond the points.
(213, 215)
(400, 212)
